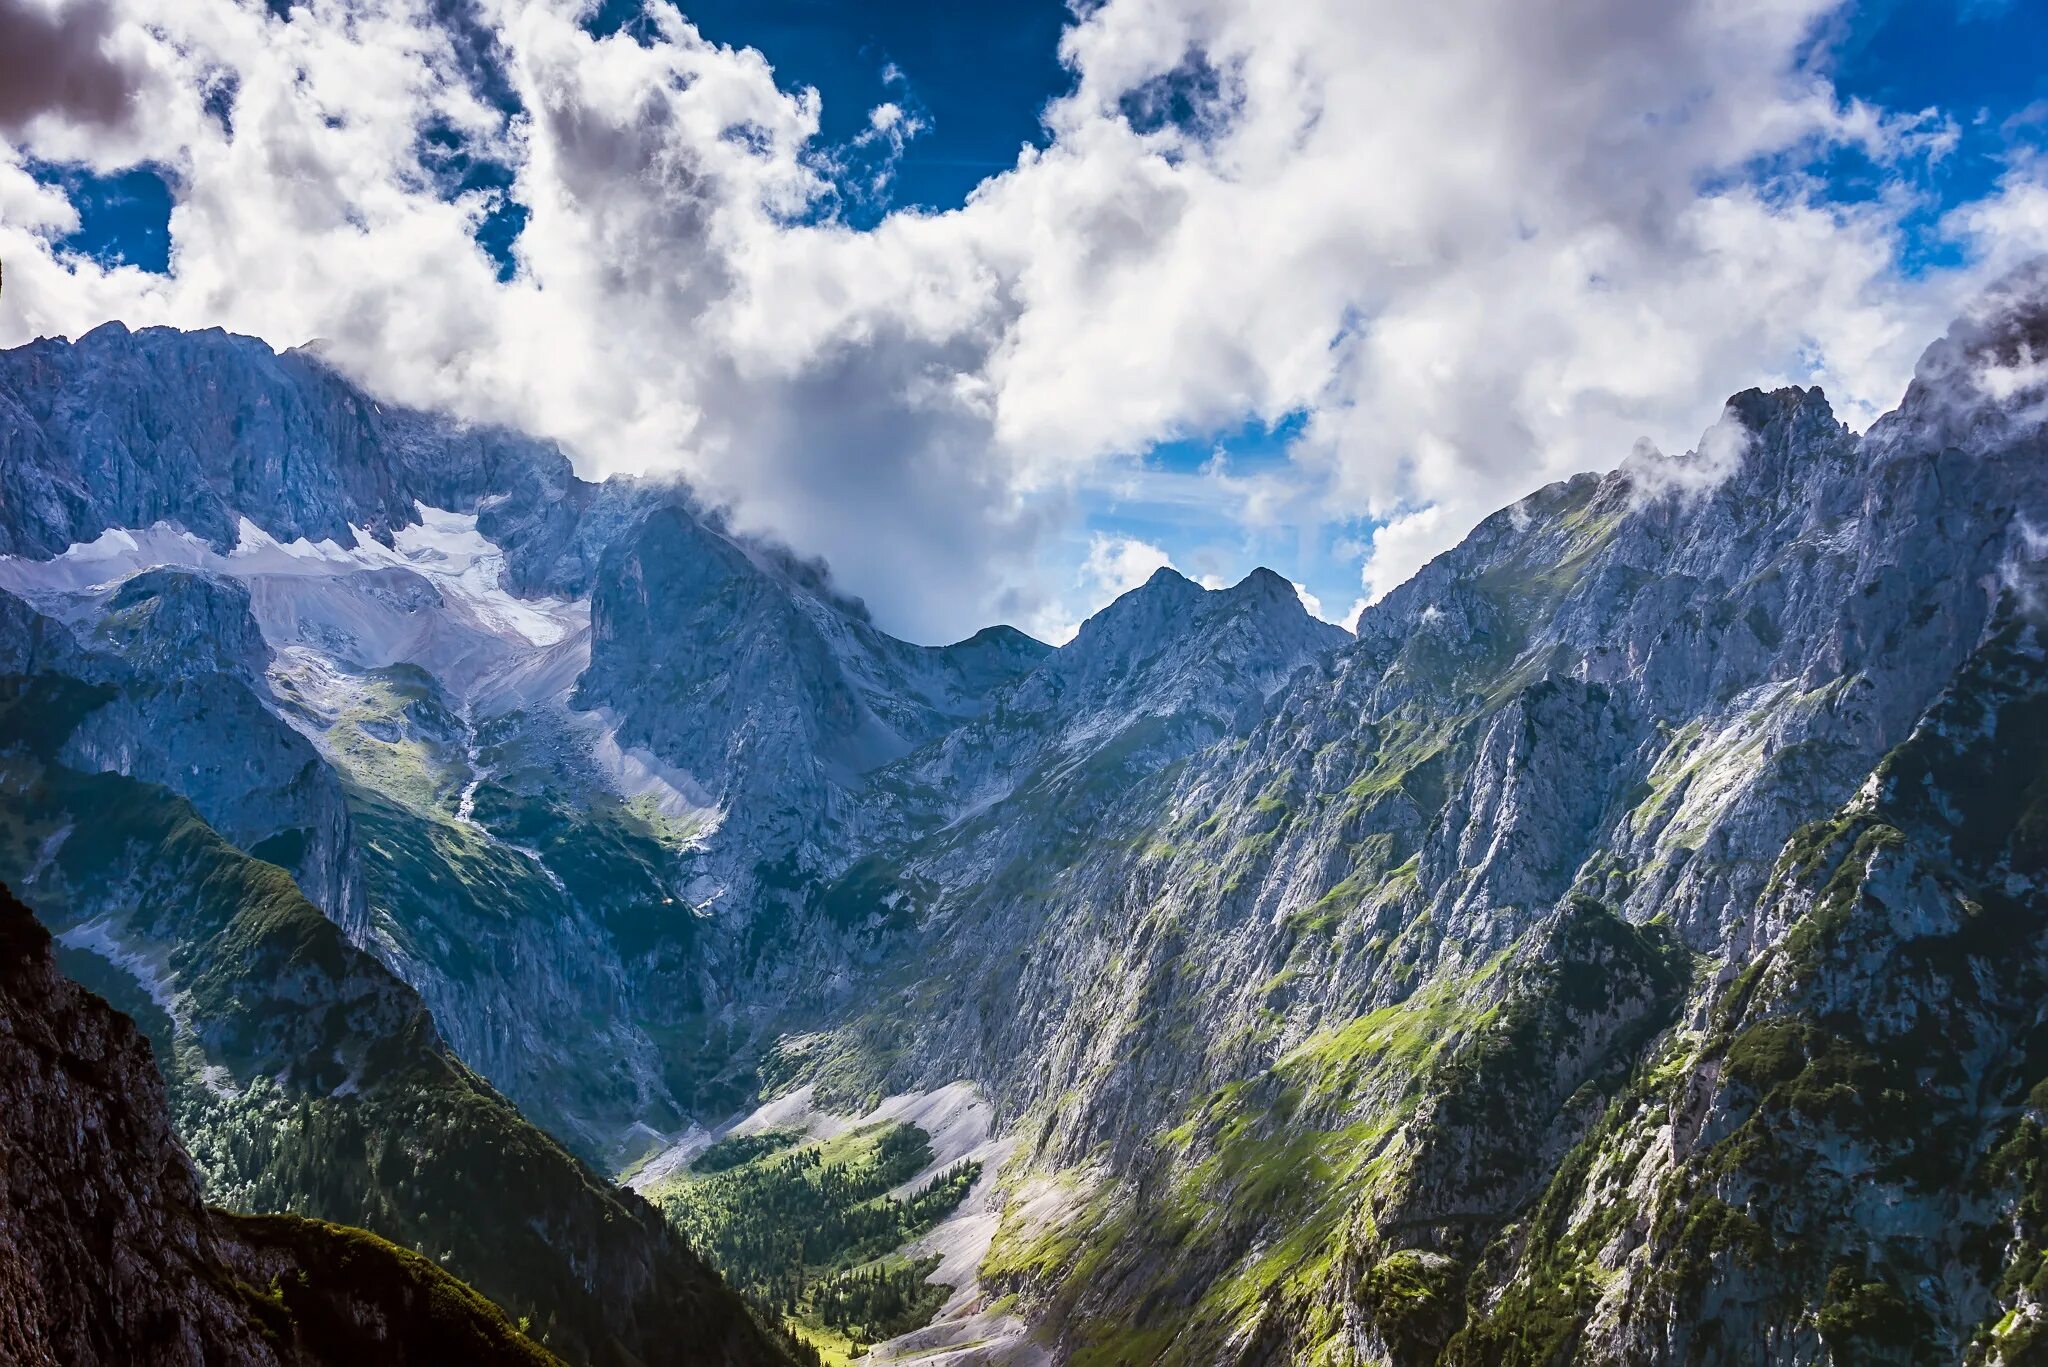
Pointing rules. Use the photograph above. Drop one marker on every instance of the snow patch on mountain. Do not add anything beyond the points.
(448, 549)
(373, 619)
(65, 585)
(435, 597)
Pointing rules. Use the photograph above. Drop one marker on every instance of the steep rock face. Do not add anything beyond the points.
(111, 1257)
(94, 440)
(127, 429)
(1850, 1167)
(775, 697)
(1546, 709)
(89, 1149)
(1364, 1170)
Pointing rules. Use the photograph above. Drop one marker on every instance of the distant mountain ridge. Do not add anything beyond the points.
(1527, 979)
(701, 728)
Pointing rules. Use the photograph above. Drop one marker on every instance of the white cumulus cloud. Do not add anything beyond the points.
(1469, 246)
(1118, 564)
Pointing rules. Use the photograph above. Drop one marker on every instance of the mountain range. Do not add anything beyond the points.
(1627, 946)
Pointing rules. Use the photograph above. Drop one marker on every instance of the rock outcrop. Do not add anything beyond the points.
(108, 1254)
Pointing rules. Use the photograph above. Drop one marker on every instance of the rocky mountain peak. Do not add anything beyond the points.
(1757, 410)
(1266, 581)
(1003, 638)
(1171, 624)
(1165, 669)
(992, 657)
(1167, 579)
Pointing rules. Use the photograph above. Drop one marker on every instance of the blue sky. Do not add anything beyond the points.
(1240, 384)
(1980, 61)
(977, 74)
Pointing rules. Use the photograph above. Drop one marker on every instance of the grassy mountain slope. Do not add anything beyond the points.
(306, 1078)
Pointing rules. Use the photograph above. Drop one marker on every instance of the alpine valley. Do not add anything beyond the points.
(1629, 947)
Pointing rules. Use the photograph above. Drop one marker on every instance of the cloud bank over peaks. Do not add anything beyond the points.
(1473, 245)
(1717, 459)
